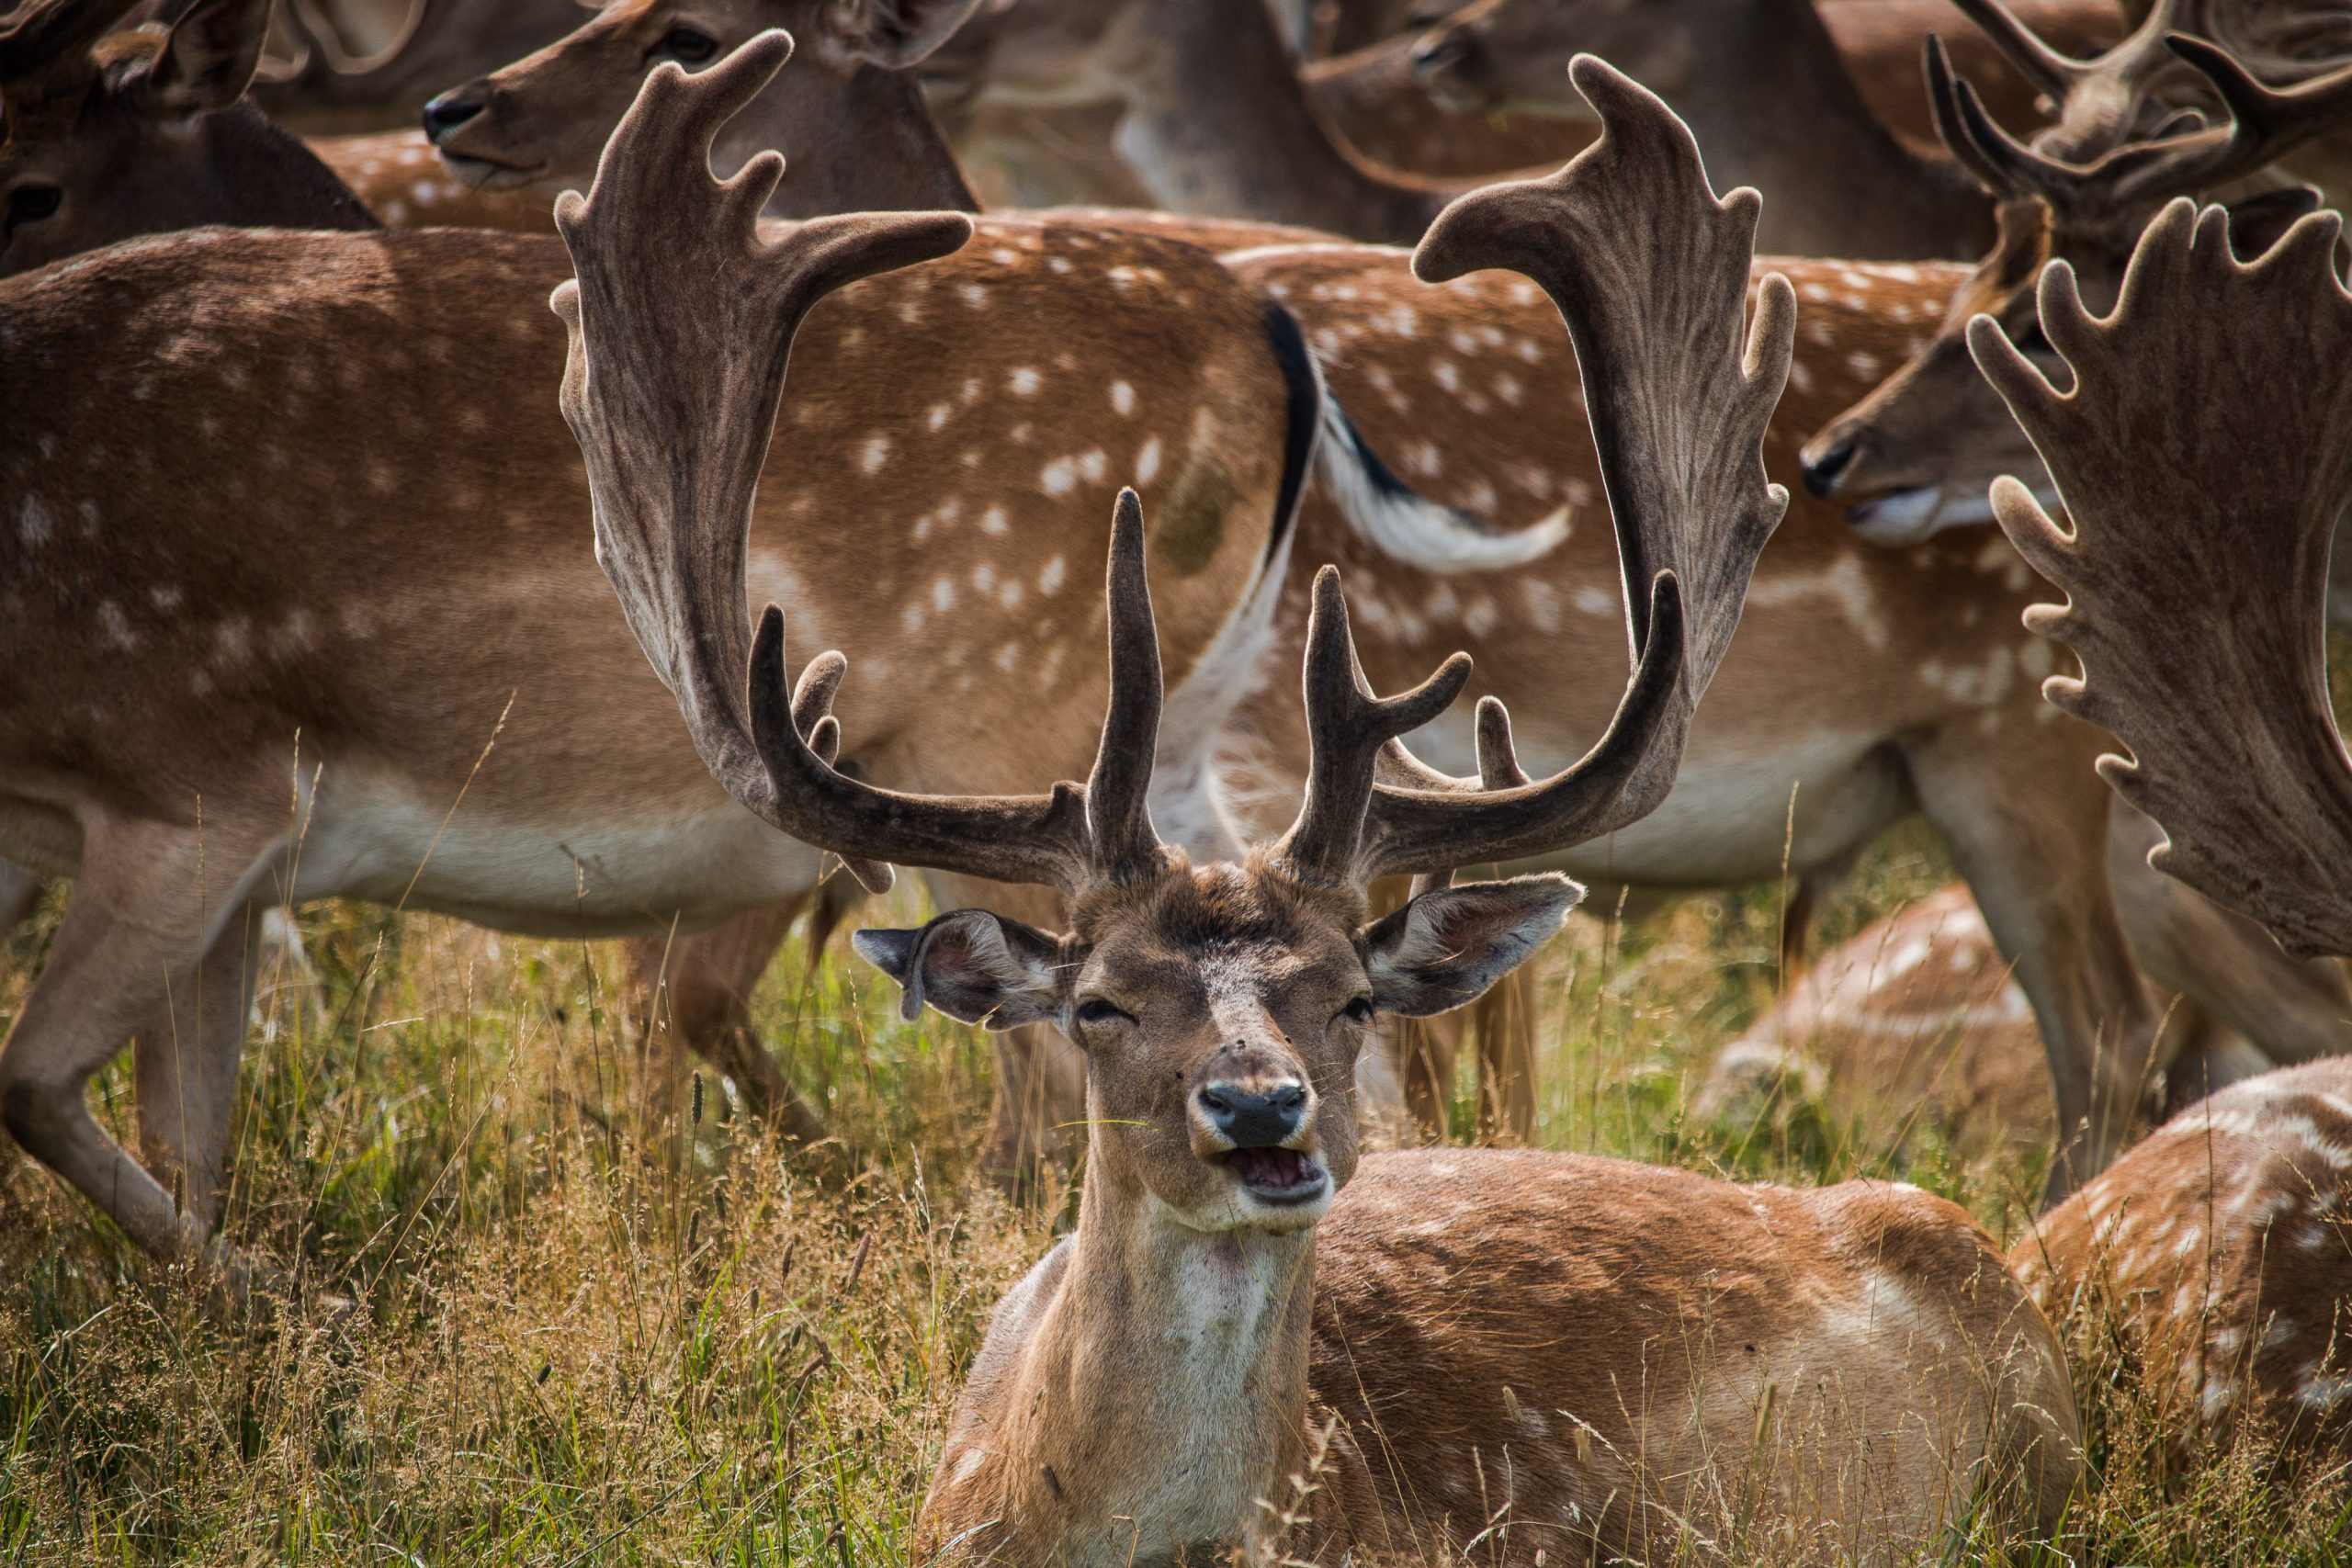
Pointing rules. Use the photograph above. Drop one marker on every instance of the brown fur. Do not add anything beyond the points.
(428, 602)
(2220, 1250)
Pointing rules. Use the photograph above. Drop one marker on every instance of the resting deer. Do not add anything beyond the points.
(1917, 454)
(2204, 456)
(1552, 1353)
(455, 498)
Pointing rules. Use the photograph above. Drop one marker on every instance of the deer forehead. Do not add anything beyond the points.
(1220, 931)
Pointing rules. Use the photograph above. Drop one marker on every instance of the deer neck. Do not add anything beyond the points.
(1167, 1383)
(1218, 124)
(1770, 101)
(901, 161)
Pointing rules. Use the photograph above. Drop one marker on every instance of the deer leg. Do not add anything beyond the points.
(184, 1070)
(144, 910)
(1505, 1020)
(697, 990)
(2293, 1009)
(2026, 819)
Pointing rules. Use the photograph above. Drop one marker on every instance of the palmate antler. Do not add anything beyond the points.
(1651, 273)
(2085, 174)
(681, 323)
(2203, 456)
(2099, 103)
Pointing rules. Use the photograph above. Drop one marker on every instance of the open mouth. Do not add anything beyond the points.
(1278, 1175)
(487, 174)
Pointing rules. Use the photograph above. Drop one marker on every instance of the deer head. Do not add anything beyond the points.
(1503, 56)
(543, 120)
(139, 132)
(1917, 454)
(1221, 1006)
(2204, 455)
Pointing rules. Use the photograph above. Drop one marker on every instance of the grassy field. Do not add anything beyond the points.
(579, 1339)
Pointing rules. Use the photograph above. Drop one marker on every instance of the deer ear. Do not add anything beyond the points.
(1442, 950)
(895, 34)
(971, 965)
(208, 59)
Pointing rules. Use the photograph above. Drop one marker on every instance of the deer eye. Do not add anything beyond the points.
(1357, 1011)
(687, 46)
(30, 203)
(1095, 1009)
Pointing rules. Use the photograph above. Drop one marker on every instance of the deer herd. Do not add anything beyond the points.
(305, 592)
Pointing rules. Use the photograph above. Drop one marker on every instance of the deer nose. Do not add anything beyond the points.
(447, 112)
(1255, 1118)
(1820, 471)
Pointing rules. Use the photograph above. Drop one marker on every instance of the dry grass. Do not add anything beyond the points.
(575, 1341)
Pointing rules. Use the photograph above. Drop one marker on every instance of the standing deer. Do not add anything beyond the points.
(2204, 456)
(1549, 1353)
(1913, 690)
(1917, 454)
(1766, 92)
(1910, 686)
(414, 612)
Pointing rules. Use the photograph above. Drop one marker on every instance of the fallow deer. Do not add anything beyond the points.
(168, 799)
(1915, 690)
(707, 980)
(1878, 50)
(1548, 1353)
(114, 137)
(2204, 455)
(1763, 85)
(1919, 453)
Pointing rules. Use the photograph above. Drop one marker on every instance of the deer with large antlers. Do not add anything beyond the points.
(1915, 688)
(1912, 687)
(2204, 456)
(1245, 1299)
(453, 497)
(1917, 454)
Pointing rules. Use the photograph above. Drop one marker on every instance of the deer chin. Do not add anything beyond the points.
(1909, 517)
(488, 174)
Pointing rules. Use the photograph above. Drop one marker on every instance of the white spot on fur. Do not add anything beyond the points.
(877, 453)
(1049, 580)
(1024, 381)
(1122, 397)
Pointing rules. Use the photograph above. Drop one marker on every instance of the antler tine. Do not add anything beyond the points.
(2266, 123)
(1118, 807)
(42, 32)
(1349, 729)
(2048, 71)
(681, 326)
(2007, 167)
(1678, 386)
(1046, 838)
(2203, 456)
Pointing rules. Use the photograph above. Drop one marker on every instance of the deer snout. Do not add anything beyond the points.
(1260, 1115)
(1824, 461)
(450, 110)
